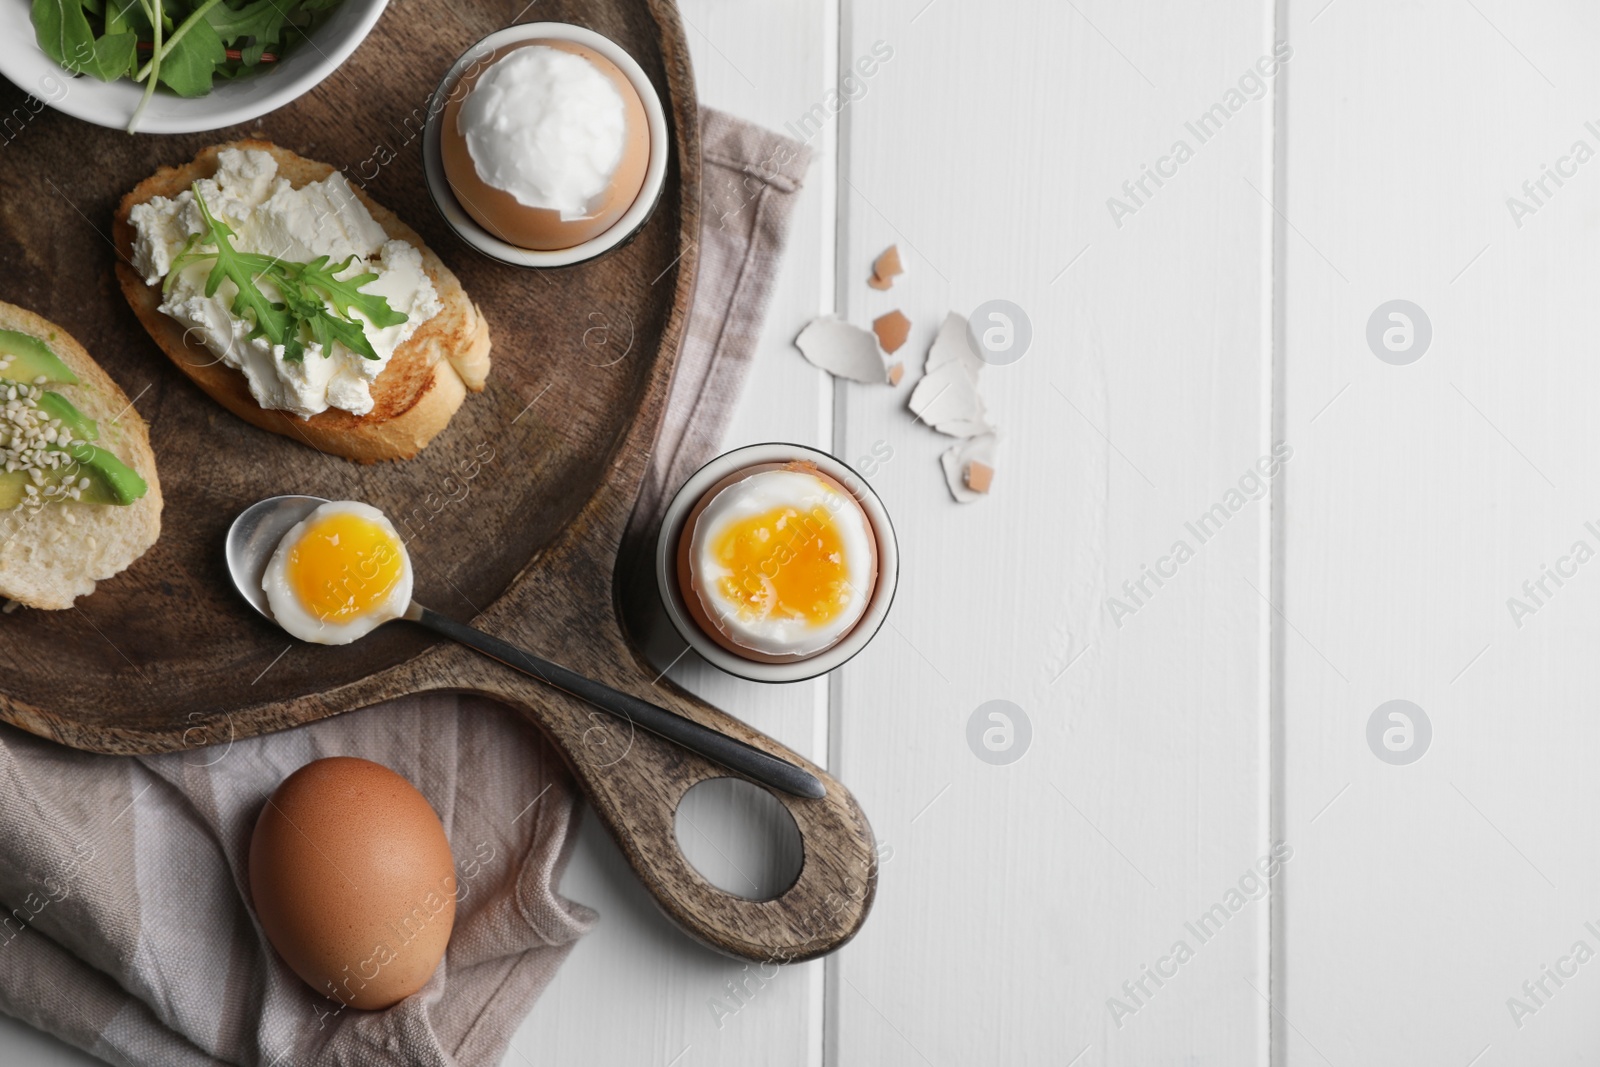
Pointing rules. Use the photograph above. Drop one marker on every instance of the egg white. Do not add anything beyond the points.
(767, 633)
(293, 616)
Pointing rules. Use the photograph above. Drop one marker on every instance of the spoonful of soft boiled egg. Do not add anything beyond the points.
(332, 571)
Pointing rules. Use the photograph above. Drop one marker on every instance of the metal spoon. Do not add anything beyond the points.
(254, 537)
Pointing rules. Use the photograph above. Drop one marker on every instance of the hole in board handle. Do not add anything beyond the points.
(740, 838)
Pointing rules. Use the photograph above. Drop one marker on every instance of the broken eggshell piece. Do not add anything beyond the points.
(947, 396)
(843, 350)
(969, 467)
(892, 329)
(886, 268)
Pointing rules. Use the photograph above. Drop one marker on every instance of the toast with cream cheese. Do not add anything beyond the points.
(414, 395)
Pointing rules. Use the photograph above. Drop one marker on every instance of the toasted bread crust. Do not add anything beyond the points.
(415, 396)
(52, 556)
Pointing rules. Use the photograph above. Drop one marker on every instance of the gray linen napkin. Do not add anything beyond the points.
(126, 929)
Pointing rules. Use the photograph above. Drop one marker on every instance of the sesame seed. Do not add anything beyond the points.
(32, 442)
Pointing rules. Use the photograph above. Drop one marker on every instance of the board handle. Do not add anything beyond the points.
(729, 752)
(635, 781)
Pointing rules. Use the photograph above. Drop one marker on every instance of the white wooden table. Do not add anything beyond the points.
(1031, 913)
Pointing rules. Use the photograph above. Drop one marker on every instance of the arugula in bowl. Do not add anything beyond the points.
(184, 45)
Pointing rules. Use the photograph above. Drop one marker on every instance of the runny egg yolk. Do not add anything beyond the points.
(343, 566)
(784, 564)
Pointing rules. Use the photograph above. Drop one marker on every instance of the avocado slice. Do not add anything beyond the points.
(110, 481)
(56, 406)
(25, 358)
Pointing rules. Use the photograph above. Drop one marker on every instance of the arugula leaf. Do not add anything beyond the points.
(240, 268)
(124, 15)
(326, 329)
(304, 308)
(113, 56)
(317, 287)
(262, 20)
(186, 255)
(313, 300)
(66, 37)
(345, 294)
(188, 69)
(63, 30)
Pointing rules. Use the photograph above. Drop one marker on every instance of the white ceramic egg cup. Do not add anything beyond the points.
(790, 670)
(467, 228)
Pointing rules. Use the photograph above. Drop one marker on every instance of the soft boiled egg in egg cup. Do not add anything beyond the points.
(546, 145)
(776, 562)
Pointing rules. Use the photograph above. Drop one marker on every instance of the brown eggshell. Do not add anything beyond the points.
(892, 330)
(535, 228)
(353, 882)
(685, 568)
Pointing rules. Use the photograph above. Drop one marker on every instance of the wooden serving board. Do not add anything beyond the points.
(513, 514)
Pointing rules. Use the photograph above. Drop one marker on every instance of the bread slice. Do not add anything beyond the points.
(415, 396)
(55, 554)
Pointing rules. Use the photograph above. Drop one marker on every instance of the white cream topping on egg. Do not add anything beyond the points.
(546, 126)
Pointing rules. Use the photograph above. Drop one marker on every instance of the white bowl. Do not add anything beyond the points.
(791, 670)
(655, 175)
(229, 103)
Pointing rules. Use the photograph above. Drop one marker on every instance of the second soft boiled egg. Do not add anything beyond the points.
(781, 563)
(338, 574)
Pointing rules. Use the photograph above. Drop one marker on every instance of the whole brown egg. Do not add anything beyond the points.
(353, 881)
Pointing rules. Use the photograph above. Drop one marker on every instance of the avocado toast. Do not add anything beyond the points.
(79, 497)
